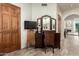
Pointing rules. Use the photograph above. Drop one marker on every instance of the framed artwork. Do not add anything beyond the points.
(68, 23)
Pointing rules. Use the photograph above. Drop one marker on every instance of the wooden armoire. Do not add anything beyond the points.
(9, 28)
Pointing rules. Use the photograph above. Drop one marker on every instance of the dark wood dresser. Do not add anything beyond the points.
(49, 39)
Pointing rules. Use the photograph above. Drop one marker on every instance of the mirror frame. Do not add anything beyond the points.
(51, 19)
(47, 23)
(54, 24)
(50, 22)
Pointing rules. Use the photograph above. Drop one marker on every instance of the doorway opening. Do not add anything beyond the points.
(71, 26)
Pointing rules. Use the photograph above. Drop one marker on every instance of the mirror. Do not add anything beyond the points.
(39, 25)
(53, 24)
(46, 23)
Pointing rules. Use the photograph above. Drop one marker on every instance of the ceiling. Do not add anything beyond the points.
(71, 17)
(67, 6)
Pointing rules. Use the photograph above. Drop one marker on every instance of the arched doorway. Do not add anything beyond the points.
(72, 39)
(70, 25)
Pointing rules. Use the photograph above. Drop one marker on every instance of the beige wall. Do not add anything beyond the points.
(50, 9)
(32, 12)
(59, 12)
(38, 10)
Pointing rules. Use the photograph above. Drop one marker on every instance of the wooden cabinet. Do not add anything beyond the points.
(49, 38)
(9, 27)
(52, 39)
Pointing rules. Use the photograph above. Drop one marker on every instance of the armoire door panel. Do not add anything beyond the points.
(0, 24)
(6, 41)
(15, 40)
(0, 20)
(6, 22)
(14, 23)
(6, 9)
(1, 43)
(14, 11)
